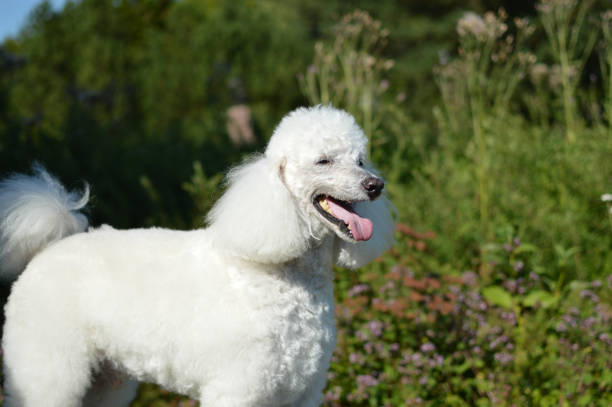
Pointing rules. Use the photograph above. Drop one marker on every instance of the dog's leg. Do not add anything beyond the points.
(218, 394)
(39, 373)
(46, 354)
(236, 388)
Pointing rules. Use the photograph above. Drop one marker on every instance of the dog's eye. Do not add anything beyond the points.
(360, 163)
(324, 161)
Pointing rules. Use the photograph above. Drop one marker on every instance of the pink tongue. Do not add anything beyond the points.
(361, 228)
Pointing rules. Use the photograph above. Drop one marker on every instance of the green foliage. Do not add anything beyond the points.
(497, 335)
(498, 169)
(118, 92)
(202, 189)
(413, 332)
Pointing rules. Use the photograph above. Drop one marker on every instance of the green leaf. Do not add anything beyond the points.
(606, 378)
(526, 248)
(539, 296)
(452, 400)
(491, 247)
(463, 367)
(584, 400)
(578, 285)
(496, 295)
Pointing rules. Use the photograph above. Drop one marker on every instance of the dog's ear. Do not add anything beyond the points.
(355, 255)
(257, 219)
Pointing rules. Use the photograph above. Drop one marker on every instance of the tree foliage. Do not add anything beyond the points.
(129, 94)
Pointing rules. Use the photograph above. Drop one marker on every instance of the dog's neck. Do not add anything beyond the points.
(314, 268)
(317, 260)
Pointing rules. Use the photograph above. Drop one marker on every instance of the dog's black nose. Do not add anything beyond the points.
(373, 186)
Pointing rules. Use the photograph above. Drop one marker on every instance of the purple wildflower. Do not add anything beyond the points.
(376, 327)
(510, 285)
(389, 285)
(498, 341)
(570, 320)
(590, 295)
(333, 394)
(509, 317)
(588, 323)
(470, 278)
(503, 358)
(357, 358)
(427, 347)
(367, 380)
(358, 289)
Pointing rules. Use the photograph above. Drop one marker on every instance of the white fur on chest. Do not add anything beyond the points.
(295, 307)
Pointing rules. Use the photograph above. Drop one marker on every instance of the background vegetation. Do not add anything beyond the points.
(490, 120)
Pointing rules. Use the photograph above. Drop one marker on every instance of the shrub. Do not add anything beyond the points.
(412, 332)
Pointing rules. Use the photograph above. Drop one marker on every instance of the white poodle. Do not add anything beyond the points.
(237, 314)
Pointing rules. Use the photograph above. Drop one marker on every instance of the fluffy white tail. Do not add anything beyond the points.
(34, 212)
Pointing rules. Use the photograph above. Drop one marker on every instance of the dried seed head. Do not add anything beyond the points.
(471, 23)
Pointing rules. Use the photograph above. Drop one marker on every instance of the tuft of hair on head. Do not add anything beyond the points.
(35, 211)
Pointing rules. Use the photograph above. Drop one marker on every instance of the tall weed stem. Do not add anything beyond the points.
(482, 82)
(605, 61)
(348, 72)
(564, 24)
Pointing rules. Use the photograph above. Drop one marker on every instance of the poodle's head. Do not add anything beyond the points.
(321, 157)
(312, 182)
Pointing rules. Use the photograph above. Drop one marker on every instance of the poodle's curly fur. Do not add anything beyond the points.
(237, 314)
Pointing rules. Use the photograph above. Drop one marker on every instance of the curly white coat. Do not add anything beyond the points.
(237, 314)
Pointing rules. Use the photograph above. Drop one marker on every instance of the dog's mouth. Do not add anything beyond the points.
(343, 216)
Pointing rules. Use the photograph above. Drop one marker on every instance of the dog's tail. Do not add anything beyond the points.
(35, 211)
